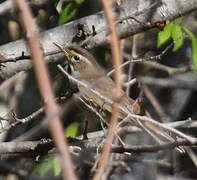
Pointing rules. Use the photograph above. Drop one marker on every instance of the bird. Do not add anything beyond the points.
(85, 69)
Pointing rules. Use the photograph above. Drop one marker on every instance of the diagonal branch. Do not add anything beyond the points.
(168, 10)
(117, 61)
(45, 88)
(133, 116)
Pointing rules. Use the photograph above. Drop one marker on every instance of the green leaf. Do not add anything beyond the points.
(58, 5)
(41, 17)
(79, 1)
(50, 163)
(46, 165)
(177, 36)
(71, 130)
(193, 40)
(189, 33)
(165, 35)
(178, 21)
(55, 2)
(56, 166)
(68, 12)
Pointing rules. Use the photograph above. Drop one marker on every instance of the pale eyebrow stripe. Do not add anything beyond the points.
(85, 59)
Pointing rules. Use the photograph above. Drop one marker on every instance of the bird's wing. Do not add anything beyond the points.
(105, 86)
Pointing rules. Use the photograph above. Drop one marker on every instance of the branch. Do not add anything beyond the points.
(9, 5)
(45, 88)
(151, 148)
(133, 116)
(9, 168)
(117, 61)
(169, 83)
(21, 121)
(168, 10)
(92, 144)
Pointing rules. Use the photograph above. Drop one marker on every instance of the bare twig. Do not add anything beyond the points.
(9, 82)
(26, 146)
(182, 124)
(93, 141)
(160, 163)
(64, 34)
(192, 155)
(36, 130)
(132, 16)
(35, 147)
(26, 57)
(164, 117)
(45, 88)
(130, 83)
(8, 167)
(15, 59)
(130, 115)
(157, 57)
(18, 121)
(8, 5)
(169, 83)
(123, 65)
(22, 121)
(153, 5)
(133, 55)
(117, 61)
(151, 148)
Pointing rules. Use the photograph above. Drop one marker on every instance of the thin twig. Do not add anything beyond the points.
(18, 121)
(151, 148)
(91, 143)
(14, 48)
(153, 5)
(117, 61)
(192, 155)
(156, 57)
(9, 82)
(8, 167)
(22, 120)
(126, 111)
(44, 85)
(23, 57)
(130, 83)
(43, 124)
(169, 83)
(157, 106)
(132, 16)
(133, 54)
(8, 5)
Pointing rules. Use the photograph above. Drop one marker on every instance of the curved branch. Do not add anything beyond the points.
(167, 10)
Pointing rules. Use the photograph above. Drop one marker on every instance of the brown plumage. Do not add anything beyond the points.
(85, 68)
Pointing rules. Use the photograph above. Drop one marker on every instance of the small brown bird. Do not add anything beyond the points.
(85, 69)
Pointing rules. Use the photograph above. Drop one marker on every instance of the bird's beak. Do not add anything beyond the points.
(66, 51)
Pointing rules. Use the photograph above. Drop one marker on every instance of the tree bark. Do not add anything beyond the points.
(63, 35)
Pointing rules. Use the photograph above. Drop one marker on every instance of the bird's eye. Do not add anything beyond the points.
(76, 58)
